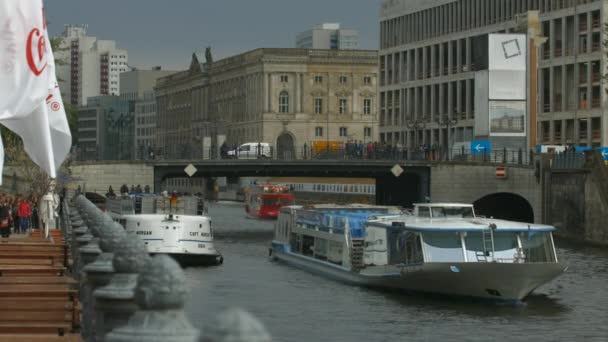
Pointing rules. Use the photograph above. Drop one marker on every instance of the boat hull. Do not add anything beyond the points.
(192, 260)
(501, 282)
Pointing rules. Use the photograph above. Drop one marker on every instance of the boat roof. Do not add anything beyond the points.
(447, 205)
(478, 224)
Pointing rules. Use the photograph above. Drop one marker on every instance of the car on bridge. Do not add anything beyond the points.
(254, 150)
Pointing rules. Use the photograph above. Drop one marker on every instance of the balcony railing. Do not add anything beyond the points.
(596, 102)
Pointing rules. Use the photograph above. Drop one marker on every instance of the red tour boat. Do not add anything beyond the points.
(266, 200)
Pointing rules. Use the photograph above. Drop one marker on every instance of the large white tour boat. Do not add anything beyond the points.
(440, 248)
(174, 225)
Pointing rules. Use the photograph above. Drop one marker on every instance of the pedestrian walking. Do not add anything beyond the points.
(24, 211)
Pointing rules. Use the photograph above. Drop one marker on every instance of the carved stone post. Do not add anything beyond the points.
(116, 301)
(160, 293)
(236, 325)
(99, 272)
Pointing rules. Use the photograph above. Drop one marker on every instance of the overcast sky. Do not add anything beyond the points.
(166, 32)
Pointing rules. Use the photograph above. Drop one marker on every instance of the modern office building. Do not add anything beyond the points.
(286, 97)
(138, 86)
(105, 129)
(328, 36)
(431, 52)
(92, 66)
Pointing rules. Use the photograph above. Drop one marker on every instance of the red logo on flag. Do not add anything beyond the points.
(36, 51)
(55, 106)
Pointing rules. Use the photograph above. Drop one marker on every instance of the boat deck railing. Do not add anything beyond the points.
(185, 205)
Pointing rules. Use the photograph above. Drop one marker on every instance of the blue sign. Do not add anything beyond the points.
(582, 148)
(481, 147)
(604, 152)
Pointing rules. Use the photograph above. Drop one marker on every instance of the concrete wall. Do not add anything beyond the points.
(97, 177)
(576, 207)
(467, 184)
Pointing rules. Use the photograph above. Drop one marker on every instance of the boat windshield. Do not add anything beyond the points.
(452, 212)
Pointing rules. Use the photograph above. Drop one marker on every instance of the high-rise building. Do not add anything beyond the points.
(286, 97)
(91, 67)
(431, 52)
(328, 36)
(138, 86)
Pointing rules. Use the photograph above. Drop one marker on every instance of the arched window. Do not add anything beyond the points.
(284, 102)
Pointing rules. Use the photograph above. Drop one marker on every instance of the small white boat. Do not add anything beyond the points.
(440, 248)
(176, 227)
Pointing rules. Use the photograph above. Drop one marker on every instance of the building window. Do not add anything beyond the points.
(343, 132)
(343, 79)
(342, 106)
(284, 78)
(367, 80)
(367, 106)
(284, 102)
(367, 132)
(318, 106)
(318, 131)
(318, 79)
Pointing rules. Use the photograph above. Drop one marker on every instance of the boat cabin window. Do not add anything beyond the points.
(424, 212)
(405, 248)
(295, 241)
(443, 247)
(538, 247)
(308, 244)
(452, 212)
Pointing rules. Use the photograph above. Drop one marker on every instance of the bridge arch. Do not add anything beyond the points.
(286, 146)
(506, 206)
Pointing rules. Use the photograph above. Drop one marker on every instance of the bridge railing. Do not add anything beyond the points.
(360, 152)
(129, 296)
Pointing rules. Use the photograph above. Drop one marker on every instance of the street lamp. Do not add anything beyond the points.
(447, 122)
(415, 125)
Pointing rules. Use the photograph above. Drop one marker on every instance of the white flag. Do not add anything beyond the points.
(23, 57)
(44, 130)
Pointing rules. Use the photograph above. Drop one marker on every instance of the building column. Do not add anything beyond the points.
(552, 132)
(589, 132)
(267, 91)
(433, 61)
(450, 51)
(551, 89)
(298, 93)
(458, 98)
(552, 38)
(468, 53)
(563, 140)
(468, 104)
(563, 87)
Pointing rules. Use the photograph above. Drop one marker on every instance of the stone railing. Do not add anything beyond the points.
(127, 295)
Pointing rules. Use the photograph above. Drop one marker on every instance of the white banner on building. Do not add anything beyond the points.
(507, 66)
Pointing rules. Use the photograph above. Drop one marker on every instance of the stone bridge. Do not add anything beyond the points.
(518, 196)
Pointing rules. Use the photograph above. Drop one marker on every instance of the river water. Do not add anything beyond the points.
(298, 306)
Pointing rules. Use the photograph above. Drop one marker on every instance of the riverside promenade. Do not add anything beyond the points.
(93, 281)
(38, 297)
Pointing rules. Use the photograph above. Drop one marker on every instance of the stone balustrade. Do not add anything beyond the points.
(129, 296)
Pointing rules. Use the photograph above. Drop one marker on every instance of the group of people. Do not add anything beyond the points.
(18, 214)
(124, 190)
